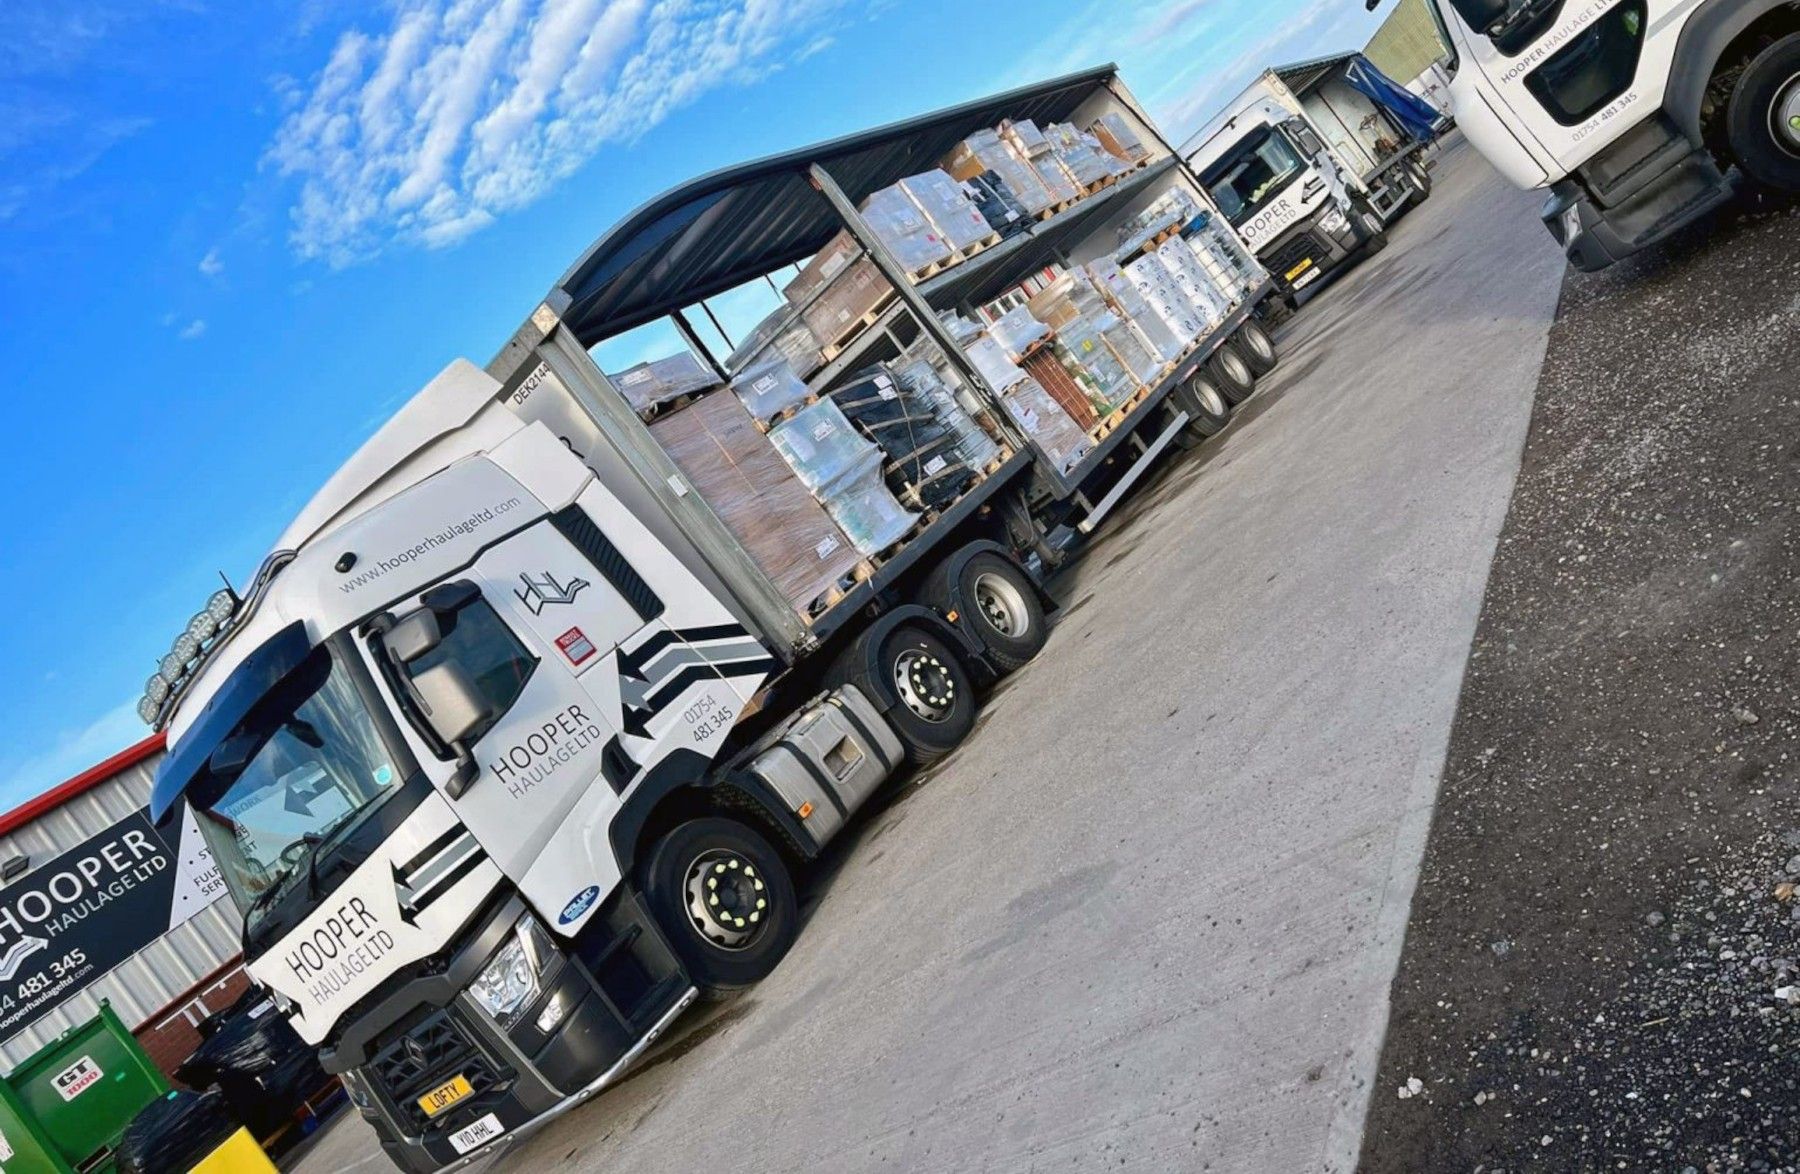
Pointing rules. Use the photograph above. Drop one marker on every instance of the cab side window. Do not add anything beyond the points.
(477, 640)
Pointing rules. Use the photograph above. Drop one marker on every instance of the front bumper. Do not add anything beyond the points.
(619, 988)
(1307, 251)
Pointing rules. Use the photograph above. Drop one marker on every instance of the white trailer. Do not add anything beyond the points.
(513, 746)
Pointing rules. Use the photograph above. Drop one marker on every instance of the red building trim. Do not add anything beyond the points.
(86, 781)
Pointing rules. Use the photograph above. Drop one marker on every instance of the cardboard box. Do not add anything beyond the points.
(824, 268)
(737, 472)
(858, 292)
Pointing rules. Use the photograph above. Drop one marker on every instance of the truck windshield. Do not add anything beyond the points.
(294, 775)
(1252, 174)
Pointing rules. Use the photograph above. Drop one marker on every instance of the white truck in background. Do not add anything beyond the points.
(1632, 113)
(1310, 182)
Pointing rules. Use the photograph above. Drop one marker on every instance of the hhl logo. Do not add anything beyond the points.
(542, 591)
(15, 955)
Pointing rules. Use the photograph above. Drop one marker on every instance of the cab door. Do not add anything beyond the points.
(1573, 74)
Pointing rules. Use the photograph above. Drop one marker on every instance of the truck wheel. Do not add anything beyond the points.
(1208, 413)
(936, 708)
(723, 898)
(1763, 120)
(1003, 610)
(1231, 374)
(1257, 347)
(1373, 233)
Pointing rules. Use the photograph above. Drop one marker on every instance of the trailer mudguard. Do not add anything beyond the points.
(1709, 32)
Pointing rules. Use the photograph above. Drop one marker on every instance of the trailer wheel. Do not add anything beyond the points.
(1232, 374)
(936, 706)
(724, 900)
(1208, 413)
(1257, 347)
(1763, 120)
(1003, 609)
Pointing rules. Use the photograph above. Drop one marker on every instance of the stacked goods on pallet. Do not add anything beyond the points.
(997, 204)
(946, 204)
(1082, 155)
(1117, 137)
(905, 230)
(1018, 330)
(1057, 436)
(1128, 302)
(838, 255)
(1034, 148)
(1225, 257)
(927, 380)
(1165, 297)
(924, 463)
(1067, 383)
(1174, 209)
(835, 293)
(986, 151)
(769, 387)
(650, 385)
(779, 334)
(736, 471)
(844, 471)
(1195, 282)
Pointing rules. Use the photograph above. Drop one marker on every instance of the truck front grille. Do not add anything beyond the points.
(428, 1054)
(1304, 247)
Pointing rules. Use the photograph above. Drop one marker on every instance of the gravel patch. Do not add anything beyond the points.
(1601, 969)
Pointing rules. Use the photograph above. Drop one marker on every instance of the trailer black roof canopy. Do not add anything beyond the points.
(1304, 75)
(717, 232)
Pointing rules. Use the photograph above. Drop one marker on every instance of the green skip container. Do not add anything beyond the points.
(62, 1111)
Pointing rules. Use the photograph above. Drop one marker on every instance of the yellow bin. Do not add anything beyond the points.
(239, 1155)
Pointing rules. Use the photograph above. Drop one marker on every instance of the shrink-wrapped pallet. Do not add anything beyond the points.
(781, 335)
(1199, 285)
(986, 151)
(844, 471)
(741, 476)
(997, 204)
(948, 207)
(855, 294)
(826, 264)
(907, 232)
(1118, 137)
(1129, 303)
(1083, 159)
(650, 385)
(1049, 427)
(769, 387)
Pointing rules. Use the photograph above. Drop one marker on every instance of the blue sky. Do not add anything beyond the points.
(234, 237)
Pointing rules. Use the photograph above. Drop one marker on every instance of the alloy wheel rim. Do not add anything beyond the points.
(1784, 116)
(727, 902)
(1211, 400)
(1237, 368)
(924, 685)
(1001, 604)
(1259, 342)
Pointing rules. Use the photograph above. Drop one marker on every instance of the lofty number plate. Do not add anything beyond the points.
(445, 1095)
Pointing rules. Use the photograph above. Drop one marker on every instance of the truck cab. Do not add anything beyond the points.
(1638, 116)
(1278, 185)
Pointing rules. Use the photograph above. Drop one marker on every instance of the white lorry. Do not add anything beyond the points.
(1310, 174)
(1633, 113)
(513, 747)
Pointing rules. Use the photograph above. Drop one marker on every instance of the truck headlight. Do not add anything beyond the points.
(1334, 221)
(512, 977)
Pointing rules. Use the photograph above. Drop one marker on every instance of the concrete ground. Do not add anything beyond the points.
(1148, 917)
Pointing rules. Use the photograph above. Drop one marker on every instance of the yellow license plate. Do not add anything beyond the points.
(444, 1095)
(1297, 270)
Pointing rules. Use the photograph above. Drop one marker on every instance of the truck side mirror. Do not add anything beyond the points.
(1305, 138)
(457, 709)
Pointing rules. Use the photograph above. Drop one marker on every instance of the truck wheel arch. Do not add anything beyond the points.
(1710, 37)
(679, 788)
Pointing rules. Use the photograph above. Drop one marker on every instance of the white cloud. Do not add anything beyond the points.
(72, 751)
(461, 111)
(210, 265)
(192, 330)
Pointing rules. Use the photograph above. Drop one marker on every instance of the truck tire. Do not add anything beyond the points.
(1762, 122)
(1370, 228)
(1231, 374)
(1258, 349)
(1003, 609)
(1208, 413)
(703, 882)
(936, 706)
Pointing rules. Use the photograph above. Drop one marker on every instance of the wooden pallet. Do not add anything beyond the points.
(786, 414)
(1158, 241)
(849, 332)
(1119, 414)
(1055, 210)
(1005, 454)
(956, 258)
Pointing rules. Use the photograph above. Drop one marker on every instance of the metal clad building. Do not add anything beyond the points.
(154, 984)
(1407, 43)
